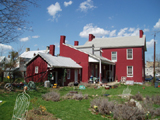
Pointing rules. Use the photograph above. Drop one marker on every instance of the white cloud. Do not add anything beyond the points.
(157, 25)
(128, 32)
(90, 29)
(112, 33)
(146, 30)
(122, 32)
(5, 47)
(150, 43)
(54, 9)
(67, 3)
(19, 29)
(35, 45)
(84, 6)
(36, 36)
(24, 39)
(131, 29)
(112, 27)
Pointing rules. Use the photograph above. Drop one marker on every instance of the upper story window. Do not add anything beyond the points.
(129, 53)
(114, 56)
(36, 69)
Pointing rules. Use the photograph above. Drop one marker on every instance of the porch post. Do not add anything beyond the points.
(99, 71)
(112, 72)
(109, 73)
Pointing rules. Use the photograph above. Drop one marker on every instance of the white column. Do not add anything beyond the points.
(100, 71)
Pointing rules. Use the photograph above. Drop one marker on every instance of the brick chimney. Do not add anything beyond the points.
(140, 33)
(27, 49)
(76, 43)
(91, 37)
(62, 39)
(52, 49)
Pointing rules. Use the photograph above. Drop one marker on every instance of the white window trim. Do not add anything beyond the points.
(116, 56)
(132, 55)
(68, 73)
(127, 71)
(36, 69)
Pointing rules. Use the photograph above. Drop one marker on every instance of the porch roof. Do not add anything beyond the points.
(103, 59)
(57, 61)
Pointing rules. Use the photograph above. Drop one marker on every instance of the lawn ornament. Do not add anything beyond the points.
(31, 85)
(82, 87)
(8, 87)
(21, 106)
(126, 92)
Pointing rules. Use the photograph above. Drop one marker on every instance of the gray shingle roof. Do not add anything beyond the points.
(129, 41)
(57, 62)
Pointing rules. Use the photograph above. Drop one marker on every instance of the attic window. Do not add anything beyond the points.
(36, 69)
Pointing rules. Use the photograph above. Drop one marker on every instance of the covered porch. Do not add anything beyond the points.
(101, 68)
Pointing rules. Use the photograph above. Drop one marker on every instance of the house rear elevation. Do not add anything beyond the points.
(109, 58)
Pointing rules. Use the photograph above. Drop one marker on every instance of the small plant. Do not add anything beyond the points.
(148, 115)
(77, 96)
(42, 109)
(53, 96)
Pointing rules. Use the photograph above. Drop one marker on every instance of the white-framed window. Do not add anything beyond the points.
(129, 53)
(36, 69)
(114, 56)
(129, 71)
(68, 73)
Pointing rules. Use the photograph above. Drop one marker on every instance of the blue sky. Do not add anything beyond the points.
(77, 18)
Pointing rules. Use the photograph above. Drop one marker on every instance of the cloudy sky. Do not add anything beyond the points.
(77, 18)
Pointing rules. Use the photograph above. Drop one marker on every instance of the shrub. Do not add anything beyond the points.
(125, 112)
(104, 106)
(156, 99)
(77, 96)
(138, 97)
(53, 96)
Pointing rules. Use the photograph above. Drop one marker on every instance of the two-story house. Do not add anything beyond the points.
(109, 58)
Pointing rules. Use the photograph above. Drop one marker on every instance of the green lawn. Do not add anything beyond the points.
(70, 109)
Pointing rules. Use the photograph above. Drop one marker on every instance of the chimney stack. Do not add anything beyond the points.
(91, 37)
(76, 43)
(8, 56)
(52, 49)
(140, 33)
(62, 39)
(27, 49)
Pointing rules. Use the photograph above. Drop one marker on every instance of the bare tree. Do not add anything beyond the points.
(12, 19)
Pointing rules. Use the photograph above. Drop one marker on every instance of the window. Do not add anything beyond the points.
(114, 56)
(129, 71)
(68, 73)
(129, 54)
(36, 69)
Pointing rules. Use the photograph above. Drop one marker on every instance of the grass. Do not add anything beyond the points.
(70, 109)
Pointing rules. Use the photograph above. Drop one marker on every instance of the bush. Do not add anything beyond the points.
(125, 112)
(104, 106)
(53, 96)
(77, 96)
(138, 97)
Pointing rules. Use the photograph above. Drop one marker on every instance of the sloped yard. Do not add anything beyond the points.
(69, 108)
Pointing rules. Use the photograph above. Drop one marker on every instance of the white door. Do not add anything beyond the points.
(75, 75)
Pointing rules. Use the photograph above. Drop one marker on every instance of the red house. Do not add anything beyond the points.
(62, 69)
(109, 58)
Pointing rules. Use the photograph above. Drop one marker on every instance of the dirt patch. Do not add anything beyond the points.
(46, 116)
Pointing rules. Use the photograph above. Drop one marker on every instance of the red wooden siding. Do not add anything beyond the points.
(42, 67)
(121, 65)
(79, 57)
